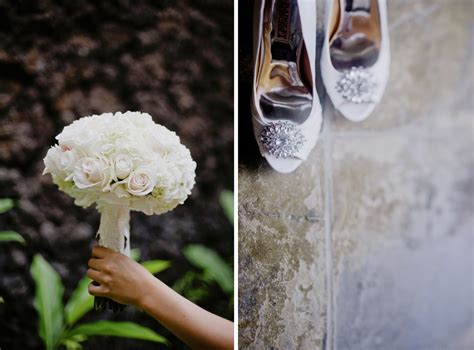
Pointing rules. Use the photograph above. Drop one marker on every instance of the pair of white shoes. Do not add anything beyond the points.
(354, 66)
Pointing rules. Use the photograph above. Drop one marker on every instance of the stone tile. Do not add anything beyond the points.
(432, 58)
(295, 196)
(402, 235)
(282, 294)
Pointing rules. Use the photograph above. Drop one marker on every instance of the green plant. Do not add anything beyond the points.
(213, 266)
(194, 285)
(226, 200)
(9, 236)
(57, 324)
(5, 205)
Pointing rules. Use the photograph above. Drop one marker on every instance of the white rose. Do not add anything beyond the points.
(90, 172)
(67, 160)
(51, 162)
(60, 161)
(141, 182)
(123, 165)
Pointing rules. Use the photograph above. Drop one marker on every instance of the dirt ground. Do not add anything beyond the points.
(60, 61)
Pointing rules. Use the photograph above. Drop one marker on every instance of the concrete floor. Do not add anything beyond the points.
(369, 244)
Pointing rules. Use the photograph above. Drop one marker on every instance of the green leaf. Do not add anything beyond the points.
(72, 344)
(117, 329)
(193, 286)
(11, 236)
(227, 203)
(2, 300)
(6, 204)
(212, 264)
(155, 266)
(48, 301)
(135, 254)
(80, 303)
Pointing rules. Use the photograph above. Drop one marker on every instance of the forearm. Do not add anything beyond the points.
(195, 326)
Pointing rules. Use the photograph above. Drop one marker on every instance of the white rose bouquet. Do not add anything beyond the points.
(121, 162)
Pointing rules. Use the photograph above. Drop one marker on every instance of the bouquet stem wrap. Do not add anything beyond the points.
(114, 228)
(113, 233)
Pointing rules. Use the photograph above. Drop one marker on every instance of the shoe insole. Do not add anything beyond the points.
(287, 94)
(286, 32)
(356, 42)
(357, 5)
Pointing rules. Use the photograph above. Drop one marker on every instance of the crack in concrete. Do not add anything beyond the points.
(311, 216)
(328, 214)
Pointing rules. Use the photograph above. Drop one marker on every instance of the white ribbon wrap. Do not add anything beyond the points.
(114, 228)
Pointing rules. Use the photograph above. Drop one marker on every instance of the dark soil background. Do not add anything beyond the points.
(63, 60)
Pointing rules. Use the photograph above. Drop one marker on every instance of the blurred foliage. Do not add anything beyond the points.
(48, 301)
(5, 205)
(57, 323)
(155, 266)
(210, 270)
(9, 236)
(135, 254)
(226, 200)
(193, 285)
(116, 329)
(213, 266)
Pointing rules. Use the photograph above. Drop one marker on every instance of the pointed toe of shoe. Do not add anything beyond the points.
(288, 165)
(283, 165)
(356, 112)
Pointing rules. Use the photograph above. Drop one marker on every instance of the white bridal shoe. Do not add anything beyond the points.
(356, 55)
(285, 105)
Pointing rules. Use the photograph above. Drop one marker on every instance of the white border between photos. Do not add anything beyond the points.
(236, 170)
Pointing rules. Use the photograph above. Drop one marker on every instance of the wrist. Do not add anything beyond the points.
(148, 294)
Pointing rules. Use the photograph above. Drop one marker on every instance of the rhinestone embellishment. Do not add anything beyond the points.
(282, 139)
(356, 85)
